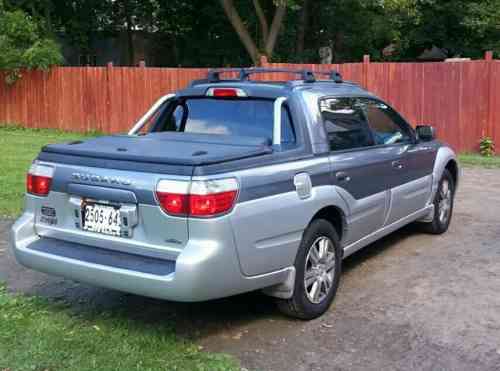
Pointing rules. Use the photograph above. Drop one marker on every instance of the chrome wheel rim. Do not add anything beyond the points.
(445, 200)
(319, 270)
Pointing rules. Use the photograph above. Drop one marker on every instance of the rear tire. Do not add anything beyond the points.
(318, 267)
(443, 205)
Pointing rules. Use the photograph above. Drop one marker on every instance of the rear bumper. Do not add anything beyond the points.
(205, 269)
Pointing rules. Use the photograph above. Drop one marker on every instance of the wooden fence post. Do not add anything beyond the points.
(489, 130)
(107, 125)
(263, 61)
(366, 66)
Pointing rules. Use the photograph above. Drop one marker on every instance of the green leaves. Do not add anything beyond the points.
(23, 45)
(487, 147)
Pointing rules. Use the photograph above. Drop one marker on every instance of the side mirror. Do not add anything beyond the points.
(425, 133)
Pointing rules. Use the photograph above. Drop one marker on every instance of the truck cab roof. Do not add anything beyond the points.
(272, 90)
(335, 86)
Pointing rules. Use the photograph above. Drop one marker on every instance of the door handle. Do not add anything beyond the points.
(342, 176)
(397, 165)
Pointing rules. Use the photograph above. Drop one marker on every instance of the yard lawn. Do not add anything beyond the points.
(472, 159)
(38, 335)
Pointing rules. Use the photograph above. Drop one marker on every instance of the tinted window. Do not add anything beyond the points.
(245, 117)
(386, 125)
(345, 124)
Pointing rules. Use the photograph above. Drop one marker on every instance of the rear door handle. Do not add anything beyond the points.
(397, 165)
(342, 176)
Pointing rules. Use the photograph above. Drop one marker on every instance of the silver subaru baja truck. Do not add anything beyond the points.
(234, 185)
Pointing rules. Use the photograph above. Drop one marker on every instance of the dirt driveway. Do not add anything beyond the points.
(410, 301)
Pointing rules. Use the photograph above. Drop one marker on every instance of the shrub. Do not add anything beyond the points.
(24, 45)
(487, 147)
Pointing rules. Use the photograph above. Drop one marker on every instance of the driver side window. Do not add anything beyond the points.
(384, 123)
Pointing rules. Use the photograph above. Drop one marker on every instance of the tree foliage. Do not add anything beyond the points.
(237, 32)
(23, 45)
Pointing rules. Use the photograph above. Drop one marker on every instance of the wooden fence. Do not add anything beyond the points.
(459, 99)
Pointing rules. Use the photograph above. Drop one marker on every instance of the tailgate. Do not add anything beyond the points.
(103, 189)
(128, 217)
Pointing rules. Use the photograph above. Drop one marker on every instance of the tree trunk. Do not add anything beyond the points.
(264, 26)
(279, 16)
(241, 30)
(301, 31)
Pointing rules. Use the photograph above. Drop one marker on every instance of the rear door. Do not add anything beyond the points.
(411, 167)
(361, 171)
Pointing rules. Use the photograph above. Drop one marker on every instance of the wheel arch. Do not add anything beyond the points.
(335, 215)
(446, 159)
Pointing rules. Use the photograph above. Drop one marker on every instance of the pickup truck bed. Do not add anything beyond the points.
(168, 148)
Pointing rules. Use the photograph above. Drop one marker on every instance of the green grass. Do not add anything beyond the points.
(38, 335)
(20, 146)
(472, 159)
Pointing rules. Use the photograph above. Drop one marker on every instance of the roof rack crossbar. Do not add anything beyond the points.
(244, 73)
(305, 74)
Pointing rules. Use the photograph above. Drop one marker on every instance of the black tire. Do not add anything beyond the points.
(299, 305)
(438, 224)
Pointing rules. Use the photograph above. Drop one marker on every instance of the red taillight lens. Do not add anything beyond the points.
(39, 179)
(225, 93)
(173, 203)
(212, 204)
(199, 198)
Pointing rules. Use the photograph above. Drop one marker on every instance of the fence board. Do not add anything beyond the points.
(494, 103)
(459, 99)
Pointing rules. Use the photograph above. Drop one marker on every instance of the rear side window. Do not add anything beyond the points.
(345, 124)
(238, 117)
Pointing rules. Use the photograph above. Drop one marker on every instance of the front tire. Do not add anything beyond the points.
(318, 268)
(443, 205)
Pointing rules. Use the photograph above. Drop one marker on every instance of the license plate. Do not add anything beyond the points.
(101, 218)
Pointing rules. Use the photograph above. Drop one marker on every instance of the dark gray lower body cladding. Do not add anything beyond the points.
(105, 257)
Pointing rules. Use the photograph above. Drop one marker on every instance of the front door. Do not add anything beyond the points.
(361, 170)
(411, 168)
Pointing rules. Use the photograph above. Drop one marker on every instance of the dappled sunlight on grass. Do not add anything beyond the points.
(39, 335)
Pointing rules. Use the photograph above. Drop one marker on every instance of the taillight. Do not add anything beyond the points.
(226, 93)
(39, 179)
(200, 198)
(212, 197)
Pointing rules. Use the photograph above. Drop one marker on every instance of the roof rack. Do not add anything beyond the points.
(305, 74)
(243, 74)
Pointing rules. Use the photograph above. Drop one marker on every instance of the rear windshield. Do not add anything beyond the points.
(239, 117)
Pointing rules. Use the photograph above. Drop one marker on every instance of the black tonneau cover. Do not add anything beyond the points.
(168, 148)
